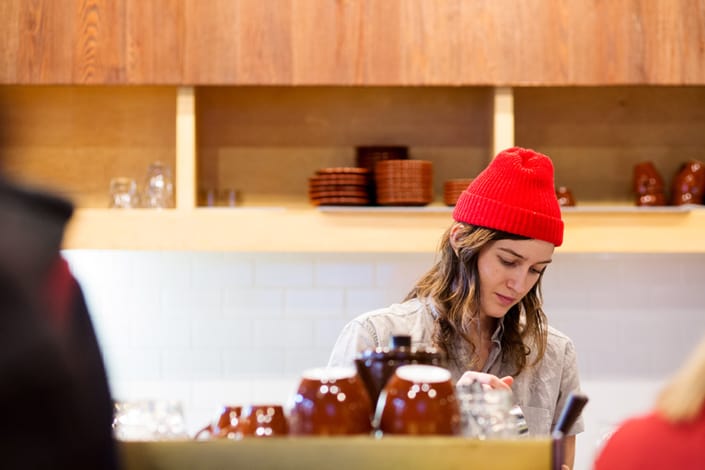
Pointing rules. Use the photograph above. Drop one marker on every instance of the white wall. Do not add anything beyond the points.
(216, 328)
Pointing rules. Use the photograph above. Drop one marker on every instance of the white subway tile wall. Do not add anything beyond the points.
(210, 329)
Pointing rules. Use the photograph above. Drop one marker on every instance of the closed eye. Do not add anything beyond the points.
(515, 263)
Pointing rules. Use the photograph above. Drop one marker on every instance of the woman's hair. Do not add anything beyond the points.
(684, 396)
(453, 285)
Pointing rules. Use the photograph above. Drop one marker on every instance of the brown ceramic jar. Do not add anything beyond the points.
(648, 185)
(376, 366)
(330, 401)
(225, 424)
(689, 184)
(418, 399)
(565, 197)
(262, 421)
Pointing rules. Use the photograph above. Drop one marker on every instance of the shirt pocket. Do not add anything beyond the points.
(538, 420)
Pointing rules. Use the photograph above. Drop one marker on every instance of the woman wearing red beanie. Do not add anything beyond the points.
(673, 435)
(481, 302)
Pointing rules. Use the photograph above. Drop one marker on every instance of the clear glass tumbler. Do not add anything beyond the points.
(123, 193)
(159, 187)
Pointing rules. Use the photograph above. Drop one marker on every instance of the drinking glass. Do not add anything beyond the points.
(123, 193)
(149, 420)
(159, 186)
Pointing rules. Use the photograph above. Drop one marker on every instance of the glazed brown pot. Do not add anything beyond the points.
(376, 366)
(330, 401)
(418, 399)
(565, 197)
(262, 421)
(648, 185)
(689, 184)
(225, 424)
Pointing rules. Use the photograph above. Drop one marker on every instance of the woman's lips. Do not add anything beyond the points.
(504, 300)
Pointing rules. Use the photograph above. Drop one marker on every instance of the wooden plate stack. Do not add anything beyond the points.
(452, 189)
(341, 186)
(367, 156)
(404, 182)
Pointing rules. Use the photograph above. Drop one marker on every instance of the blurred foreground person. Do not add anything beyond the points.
(55, 404)
(672, 436)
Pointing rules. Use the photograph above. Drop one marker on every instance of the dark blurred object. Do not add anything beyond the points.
(565, 197)
(452, 189)
(404, 182)
(569, 415)
(689, 184)
(367, 156)
(648, 185)
(55, 404)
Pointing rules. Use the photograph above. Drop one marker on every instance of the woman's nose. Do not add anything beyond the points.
(517, 280)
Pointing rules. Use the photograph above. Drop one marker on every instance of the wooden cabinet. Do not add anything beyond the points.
(256, 94)
(352, 42)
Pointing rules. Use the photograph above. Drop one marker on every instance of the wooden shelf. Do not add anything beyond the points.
(76, 138)
(372, 230)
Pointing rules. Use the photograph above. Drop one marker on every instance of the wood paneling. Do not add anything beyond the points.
(98, 41)
(155, 34)
(75, 139)
(596, 135)
(263, 46)
(62, 41)
(268, 152)
(343, 42)
(9, 40)
(238, 41)
(210, 41)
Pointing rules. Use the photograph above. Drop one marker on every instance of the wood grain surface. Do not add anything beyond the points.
(154, 41)
(73, 139)
(344, 42)
(596, 135)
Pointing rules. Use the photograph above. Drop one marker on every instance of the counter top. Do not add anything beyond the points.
(340, 453)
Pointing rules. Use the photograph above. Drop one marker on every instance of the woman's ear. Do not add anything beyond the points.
(454, 234)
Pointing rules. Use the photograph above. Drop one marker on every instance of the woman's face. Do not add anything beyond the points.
(508, 269)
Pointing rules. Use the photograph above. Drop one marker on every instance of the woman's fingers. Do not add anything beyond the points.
(487, 380)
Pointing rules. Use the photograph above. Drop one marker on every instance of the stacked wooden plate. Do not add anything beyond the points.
(404, 182)
(340, 186)
(367, 156)
(452, 189)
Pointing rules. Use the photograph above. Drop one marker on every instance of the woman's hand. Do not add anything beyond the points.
(488, 381)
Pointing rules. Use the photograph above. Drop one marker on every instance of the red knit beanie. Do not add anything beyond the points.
(514, 194)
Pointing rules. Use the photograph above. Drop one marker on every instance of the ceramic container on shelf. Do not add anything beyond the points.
(376, 366)
(565, 197)
(222, 427)
(330, 401)
(688, 184)
(648, 185)
(419, 400)
(262, 421)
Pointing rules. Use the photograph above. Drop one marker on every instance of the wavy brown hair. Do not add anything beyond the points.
(453, 285)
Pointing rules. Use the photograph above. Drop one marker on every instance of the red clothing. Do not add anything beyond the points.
(650, 442)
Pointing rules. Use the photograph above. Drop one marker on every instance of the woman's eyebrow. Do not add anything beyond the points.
(514, 253)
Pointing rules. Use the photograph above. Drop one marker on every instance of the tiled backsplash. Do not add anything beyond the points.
(214, 328)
